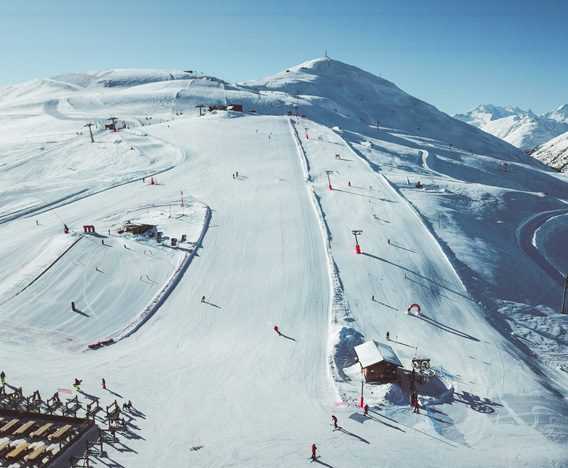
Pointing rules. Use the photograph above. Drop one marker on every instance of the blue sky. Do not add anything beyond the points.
(454, 54)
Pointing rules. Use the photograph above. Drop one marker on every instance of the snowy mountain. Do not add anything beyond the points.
(554, 153)
(521, 128)
(559, 115)
(236, 341)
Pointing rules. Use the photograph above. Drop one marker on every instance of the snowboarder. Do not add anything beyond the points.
(334, 421)
(104, 384)
(314, 452)
(366, 409)
(277, 330)
(388, 336)
(3, 378)
(202, 299)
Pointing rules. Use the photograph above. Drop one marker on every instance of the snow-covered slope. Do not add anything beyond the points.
(554, 153)
(521, 128)
(475, 244)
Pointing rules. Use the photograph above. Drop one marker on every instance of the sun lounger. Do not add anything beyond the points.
(18, 451)
(41, 431)
(59, 432)
(35, 453)
(24, 428)
(9, 425)
(4, 444)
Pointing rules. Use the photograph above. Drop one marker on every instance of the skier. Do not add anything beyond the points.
(104, 384)
(277, 330)
(2, 378)
(349, 183)
(414, 402)
(77, 384)
(388, 336)
(202, 299)
(366, 409)
(314, 452)
(334, 421)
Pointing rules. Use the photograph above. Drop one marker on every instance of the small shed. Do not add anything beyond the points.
(140, 229)
(378, 361)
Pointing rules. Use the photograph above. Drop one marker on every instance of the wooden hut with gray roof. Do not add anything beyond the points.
(379, 362)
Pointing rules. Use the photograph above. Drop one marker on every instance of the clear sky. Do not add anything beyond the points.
(454, 54)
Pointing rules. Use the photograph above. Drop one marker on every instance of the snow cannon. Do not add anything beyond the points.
(412, 307)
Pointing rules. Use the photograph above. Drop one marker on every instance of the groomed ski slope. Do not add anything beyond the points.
(216, 378)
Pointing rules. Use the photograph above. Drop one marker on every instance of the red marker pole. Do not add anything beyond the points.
(356, 233)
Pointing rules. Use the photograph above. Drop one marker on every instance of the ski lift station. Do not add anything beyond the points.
(379, 362)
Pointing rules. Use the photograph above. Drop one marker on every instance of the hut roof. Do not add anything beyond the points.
(372, 352)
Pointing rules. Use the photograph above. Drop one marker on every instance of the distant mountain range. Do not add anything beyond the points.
(522, 128)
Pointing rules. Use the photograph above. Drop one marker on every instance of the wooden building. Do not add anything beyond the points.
(379, 362)
(139, 229)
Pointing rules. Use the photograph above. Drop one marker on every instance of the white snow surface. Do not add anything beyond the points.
(478, 247)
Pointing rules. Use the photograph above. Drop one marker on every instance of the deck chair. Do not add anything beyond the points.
(6, 427)
(18, 451)
(4, 444)
(35, 453)
(59, 432)
(24, 428)
(40, 431)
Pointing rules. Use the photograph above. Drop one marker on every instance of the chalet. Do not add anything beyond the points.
(139, 229)
(379, 362)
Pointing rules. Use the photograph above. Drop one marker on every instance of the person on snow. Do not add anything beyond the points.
(334, 421)
(314, 452)
(77, 384)
(388, 336)
(414, 402)
(104, 384)
(277, 330)
(349, 183)
(2, 378)
(366, 409)
(202, 298)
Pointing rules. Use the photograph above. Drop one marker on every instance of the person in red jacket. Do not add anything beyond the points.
(334, 421)
(277, 330)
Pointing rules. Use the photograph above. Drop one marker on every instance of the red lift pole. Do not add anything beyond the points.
(356, 233)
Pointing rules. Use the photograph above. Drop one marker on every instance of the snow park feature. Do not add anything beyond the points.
(195, 372)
